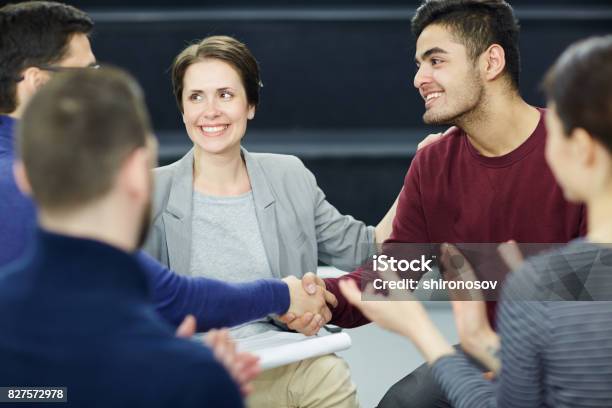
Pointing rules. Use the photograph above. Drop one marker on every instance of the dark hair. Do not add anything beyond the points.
(75, 133)
(578, 84)
(477, 24)
(223, 48)
(34, 33)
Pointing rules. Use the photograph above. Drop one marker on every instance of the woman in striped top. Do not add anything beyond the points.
(550, 349)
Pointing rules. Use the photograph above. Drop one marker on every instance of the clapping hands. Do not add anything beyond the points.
(475, 333)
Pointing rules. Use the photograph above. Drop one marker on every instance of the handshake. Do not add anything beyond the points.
(307, 313)
(310, 304)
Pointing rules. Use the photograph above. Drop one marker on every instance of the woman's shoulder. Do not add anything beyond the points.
(164, 172)
(282, 172)
(170, 180)
(555, 274)
(278, 167)
(164, 176)
(278, 161)
(167, 171)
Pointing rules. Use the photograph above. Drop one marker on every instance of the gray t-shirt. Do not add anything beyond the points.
(226, 244)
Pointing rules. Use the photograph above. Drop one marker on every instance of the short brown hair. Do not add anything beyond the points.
(477, 24)
(34, 33)
(76, 132)
(223, 48)
(579, 86)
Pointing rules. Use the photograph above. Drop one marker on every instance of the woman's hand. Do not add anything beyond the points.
(393, 312)
(475, 333)
(405, 317)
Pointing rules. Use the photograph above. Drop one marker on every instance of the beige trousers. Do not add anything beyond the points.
(316, 382)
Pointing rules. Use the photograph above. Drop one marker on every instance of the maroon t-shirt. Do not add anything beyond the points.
(454, 194)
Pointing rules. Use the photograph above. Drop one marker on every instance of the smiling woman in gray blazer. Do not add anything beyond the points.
(225, 213)
(298, 225)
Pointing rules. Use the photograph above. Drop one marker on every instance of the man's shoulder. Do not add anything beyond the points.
(437, 152)
(450, 140)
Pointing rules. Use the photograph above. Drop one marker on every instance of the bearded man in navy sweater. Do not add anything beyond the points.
(75, 306)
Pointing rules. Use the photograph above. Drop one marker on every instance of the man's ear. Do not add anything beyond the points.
(21, 178)
(494, 61)
(134, 177)
(34, 78)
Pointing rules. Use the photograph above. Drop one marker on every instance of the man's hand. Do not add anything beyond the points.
(475, 333)
(311, 321)
(242, 367)
(187, 328)
(434, 137)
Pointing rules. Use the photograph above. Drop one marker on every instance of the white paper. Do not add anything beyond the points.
(276, 349)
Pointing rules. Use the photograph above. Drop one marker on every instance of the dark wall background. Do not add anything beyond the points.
(322, 69)
(337, 76)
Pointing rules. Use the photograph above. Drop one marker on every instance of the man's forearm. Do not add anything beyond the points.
(345, 315)
(213, 303)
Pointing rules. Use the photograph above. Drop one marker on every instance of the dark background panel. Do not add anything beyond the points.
(364, 187)
(319, 74)
(337, 76)
(315, 74)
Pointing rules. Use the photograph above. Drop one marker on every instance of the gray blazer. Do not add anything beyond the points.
(297, 224)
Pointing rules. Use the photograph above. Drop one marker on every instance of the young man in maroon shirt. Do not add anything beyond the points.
(486, 181)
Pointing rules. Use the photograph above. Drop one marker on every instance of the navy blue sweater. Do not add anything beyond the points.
(75, 313)
(213, 303)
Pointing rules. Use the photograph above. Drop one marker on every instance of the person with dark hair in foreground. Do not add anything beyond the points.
(40, 39)
(555, 351)
(75, 307)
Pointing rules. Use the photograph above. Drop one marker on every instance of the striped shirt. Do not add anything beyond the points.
(555, 352)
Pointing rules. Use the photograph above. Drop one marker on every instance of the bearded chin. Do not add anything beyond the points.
(442, 119)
